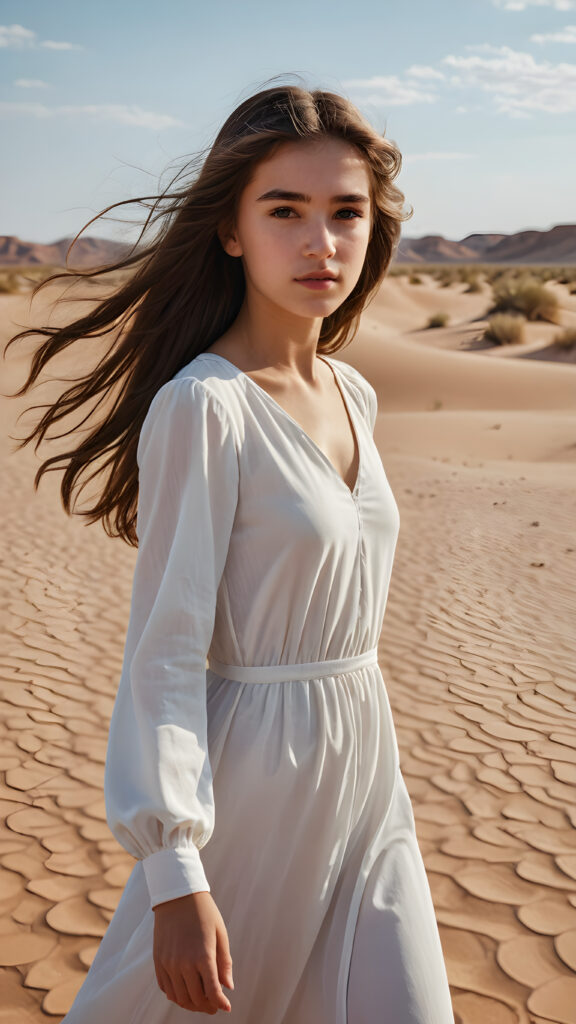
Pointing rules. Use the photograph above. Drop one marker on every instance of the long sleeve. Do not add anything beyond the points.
(158, 780)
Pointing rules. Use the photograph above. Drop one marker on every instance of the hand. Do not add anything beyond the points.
(192, 954)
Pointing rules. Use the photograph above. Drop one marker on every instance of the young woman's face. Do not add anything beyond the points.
(306, 211)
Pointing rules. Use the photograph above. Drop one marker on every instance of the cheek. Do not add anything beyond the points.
(267, 239)
(356, 244)
(267, 258)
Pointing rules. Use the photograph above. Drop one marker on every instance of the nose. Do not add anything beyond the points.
(319, 241)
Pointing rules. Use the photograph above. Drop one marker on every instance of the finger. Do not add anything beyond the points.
(184, 997)
(165, 984)
(196, 994)
(211, 985)
(224, 960)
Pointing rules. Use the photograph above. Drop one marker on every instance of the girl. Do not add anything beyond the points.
(261, 794)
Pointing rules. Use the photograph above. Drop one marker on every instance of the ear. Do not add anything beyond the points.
(229, 241)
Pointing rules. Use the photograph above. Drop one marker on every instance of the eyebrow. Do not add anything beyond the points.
(300, 197)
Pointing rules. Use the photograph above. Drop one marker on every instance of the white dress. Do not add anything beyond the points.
(270, 777)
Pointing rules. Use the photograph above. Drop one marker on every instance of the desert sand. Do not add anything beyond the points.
(478, 651)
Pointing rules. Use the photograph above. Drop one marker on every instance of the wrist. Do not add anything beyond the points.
(178, 899)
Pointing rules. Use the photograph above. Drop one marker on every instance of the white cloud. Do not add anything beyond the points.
(16, 37)
(566, 35)
(31, 83)
(521, 5)
(424, 71)
(51, 45)
(117, 112)
(518, 83)
(389, 91)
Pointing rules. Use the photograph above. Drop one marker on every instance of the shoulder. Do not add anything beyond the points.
(365, 390)
(192, 400)
(200, 383)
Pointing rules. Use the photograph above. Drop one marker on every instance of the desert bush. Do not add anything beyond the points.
(493, 276)
(488, 272)
(415, 279)
(467, 273)
(566, 275)
(15, 276)
(438, 320)
(566, 338)
(505, 329)
(447, 276)
(9, 283)
(548, 273)
(474, 286)
(525, 295)
(40, 272)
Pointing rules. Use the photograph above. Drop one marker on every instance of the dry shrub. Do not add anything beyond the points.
(525, 295)
(9, 283)
(438, 320)
(473, 286)
(467, 273)
(39, 272)
(446, 275)
(505, 329)
(567, 275)
(566, 338)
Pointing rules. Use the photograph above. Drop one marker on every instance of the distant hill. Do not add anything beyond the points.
(87, 252)
(555, 246)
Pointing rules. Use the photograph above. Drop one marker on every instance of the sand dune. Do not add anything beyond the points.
(477, 649)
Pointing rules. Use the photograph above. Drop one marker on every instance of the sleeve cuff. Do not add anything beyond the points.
(171, 873)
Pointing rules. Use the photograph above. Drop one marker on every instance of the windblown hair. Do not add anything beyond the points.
(185, 291)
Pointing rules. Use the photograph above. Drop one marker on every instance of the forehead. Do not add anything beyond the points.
(320, 166)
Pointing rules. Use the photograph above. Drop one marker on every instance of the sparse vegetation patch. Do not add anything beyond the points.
(525, 295)
(438, 320)
(566, 338)
(505, 329)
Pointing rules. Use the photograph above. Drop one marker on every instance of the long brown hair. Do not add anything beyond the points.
(185, 291)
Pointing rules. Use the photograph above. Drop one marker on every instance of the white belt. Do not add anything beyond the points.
(287, 673)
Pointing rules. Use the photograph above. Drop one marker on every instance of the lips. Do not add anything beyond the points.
(318, 275)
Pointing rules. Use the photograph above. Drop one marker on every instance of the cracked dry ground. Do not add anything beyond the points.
(478, 655)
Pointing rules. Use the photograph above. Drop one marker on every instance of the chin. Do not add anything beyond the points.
(329, 302)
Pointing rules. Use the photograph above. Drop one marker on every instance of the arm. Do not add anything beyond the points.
(158, 782)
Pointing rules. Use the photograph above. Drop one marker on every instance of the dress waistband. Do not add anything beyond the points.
(288, 673)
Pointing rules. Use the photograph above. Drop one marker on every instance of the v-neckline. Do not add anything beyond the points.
(352, 491)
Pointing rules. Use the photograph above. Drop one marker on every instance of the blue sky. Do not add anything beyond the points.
(100, 102)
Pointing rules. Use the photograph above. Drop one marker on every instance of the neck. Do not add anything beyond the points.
(280, 342)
